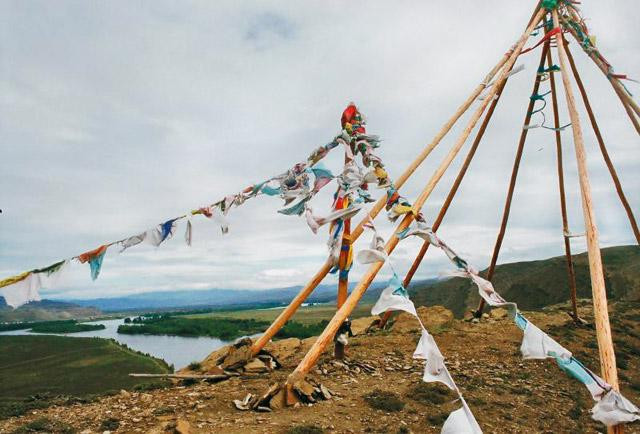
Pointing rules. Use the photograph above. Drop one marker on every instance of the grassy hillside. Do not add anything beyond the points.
(535, 284)
(50, 366)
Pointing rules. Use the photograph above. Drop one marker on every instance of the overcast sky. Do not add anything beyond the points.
(115, 116)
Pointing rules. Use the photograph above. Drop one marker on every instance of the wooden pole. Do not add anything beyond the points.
(323, 340)
(343, 273)
(450, 196)
(603, 148)
(514, 175)
(628, 102)
(288, 312)
(563, 201)
(601, 314)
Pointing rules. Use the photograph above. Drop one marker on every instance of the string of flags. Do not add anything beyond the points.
(611, 407)
(296, 187)
(396, 297)
(588, 44)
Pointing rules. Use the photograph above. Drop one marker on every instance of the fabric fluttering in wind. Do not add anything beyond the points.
(188, 233)
(160, 233)
(20, 289)
(461, 421)
(434, 369)
(25, 287)
(315, 222)
(375, 252)
(394, 297)
(536, 344)
(132, 241)
(614, 409)
(95, 258)
(322, 175)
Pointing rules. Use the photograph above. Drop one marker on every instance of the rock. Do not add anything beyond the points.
(236, 357)
(124, 393)
(498, 313)
(284, 348)
(214, 359)
(433, 317)
(183, 426)
(306, 345)
(255, 366)
(359, 326)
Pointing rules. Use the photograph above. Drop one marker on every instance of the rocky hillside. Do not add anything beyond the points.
(535, 284)
(45, 310)
(378, 389)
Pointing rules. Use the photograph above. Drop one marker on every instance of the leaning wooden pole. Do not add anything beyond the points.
(323, 340)
(288, 312)
(452, 192)
(601, 314)
(571, 274)
(628, 102)
(603, 148)
(514, 176)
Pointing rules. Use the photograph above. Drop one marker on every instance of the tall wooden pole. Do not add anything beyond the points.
(343, 272)
(628, 103)
(288, 312)
(603, 148)
(601, 314)
(452, 192)
(323, 340)
(514, 176)
(563, 201)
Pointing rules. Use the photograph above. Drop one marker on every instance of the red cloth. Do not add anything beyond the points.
(87, 256)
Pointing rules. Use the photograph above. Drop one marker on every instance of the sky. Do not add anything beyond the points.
(116, 116)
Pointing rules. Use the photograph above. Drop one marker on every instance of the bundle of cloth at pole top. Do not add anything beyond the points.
(611, 407)
(297, 186)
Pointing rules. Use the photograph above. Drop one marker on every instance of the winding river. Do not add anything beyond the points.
(176, 350)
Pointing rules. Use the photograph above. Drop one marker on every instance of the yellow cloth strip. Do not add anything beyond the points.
(14, 279)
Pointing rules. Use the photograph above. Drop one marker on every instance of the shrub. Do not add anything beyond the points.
(110, 424)
(44, 424)
(195, 366)
(383, 400)
(430, 393)
(305, 429)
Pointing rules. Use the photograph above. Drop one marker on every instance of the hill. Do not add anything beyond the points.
(46, 310)
(217, 298)
(505, 392)
(536, 284)
(37, 370)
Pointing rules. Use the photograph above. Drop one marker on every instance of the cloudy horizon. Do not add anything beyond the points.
(116, 116)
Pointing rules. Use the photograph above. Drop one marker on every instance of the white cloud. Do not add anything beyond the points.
(116, 118)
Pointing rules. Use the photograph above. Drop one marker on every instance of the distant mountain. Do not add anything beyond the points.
(536, 284)
(46, 310)
(219, 298)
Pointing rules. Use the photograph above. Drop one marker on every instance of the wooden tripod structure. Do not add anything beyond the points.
(501, 74)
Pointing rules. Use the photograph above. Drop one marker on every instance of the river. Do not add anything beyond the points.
(176, 350)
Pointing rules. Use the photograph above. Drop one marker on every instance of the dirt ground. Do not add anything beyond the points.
(505, 393)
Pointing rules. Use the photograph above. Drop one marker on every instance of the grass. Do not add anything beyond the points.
(70, 326)
(430, 393)
(222, 328)
(37, 371)
(383, 400)
(305, 429)
(304, 315)
(45, 425)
